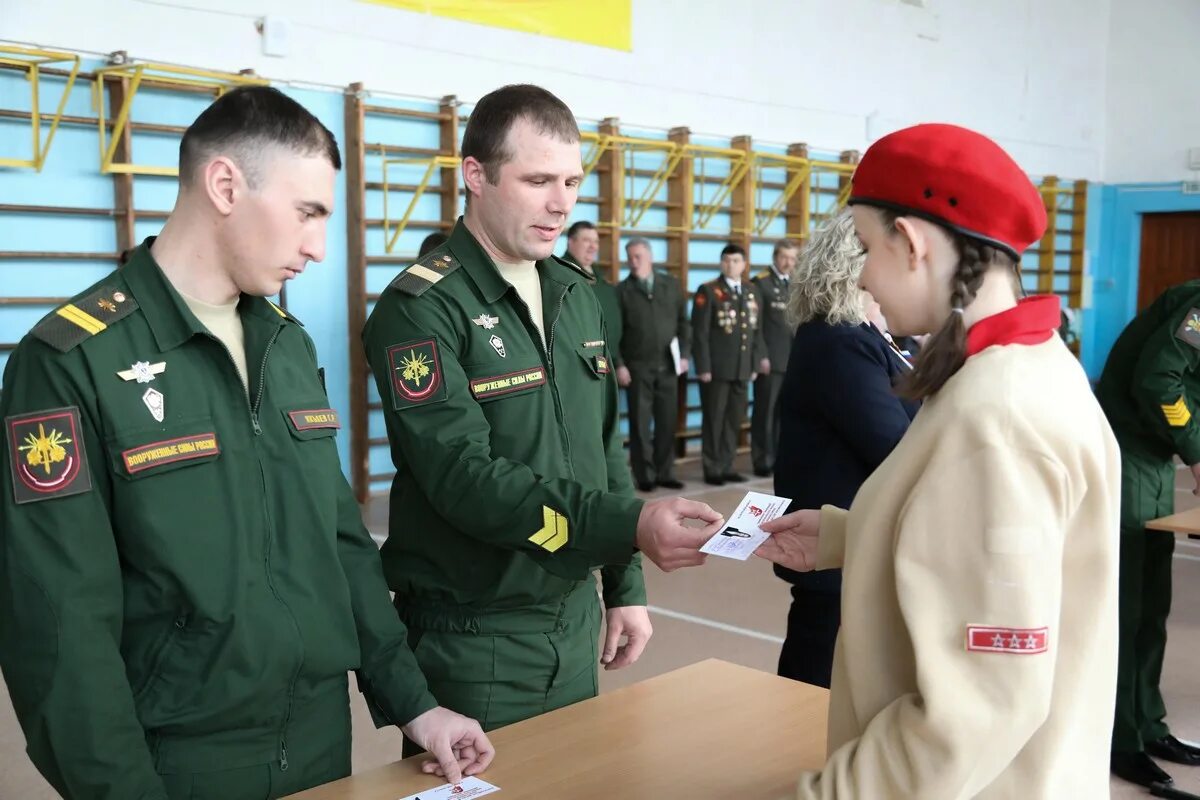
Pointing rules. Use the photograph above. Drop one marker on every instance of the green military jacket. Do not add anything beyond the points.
(176, 557)
(610, 309)
(511, 483)
(652, 320)
(727, 337)
(777, 331)
(1150, 387)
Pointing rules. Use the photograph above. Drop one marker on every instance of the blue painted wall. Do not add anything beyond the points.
(1114, 241)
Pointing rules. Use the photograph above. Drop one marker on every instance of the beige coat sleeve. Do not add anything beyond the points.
(979, 544)
(831, 543)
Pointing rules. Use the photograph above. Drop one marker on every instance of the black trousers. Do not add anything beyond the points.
(812, 629)
(764, 421)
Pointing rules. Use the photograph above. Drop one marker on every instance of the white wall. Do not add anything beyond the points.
(1153, 90)
(1031, 73)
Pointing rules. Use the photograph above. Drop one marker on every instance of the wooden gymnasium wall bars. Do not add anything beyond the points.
(59, 107)
(688, 194)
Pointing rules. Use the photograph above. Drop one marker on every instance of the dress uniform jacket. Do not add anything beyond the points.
(979, 630)
(510, 483)
(186, 576)
(727, 338)
(1149, 389)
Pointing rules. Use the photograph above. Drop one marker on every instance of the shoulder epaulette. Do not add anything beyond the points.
(571, 265)
(418, 277)
(84, 317)
(283, 312)
(762, 276)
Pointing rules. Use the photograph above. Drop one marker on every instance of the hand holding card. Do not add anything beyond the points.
(743, 534)
(793, 540)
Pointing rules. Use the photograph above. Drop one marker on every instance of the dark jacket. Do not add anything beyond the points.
(840, 418)
(651, 321)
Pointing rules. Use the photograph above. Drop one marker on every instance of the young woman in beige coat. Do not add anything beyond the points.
(977, 655)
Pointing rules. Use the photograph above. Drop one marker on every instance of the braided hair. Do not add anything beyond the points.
(946, 351)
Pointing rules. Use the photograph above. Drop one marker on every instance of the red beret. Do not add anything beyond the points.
(954, 177)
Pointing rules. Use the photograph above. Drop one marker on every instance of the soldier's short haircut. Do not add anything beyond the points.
(486, 137)
(732, 249)
(245, 122)
(579, 225)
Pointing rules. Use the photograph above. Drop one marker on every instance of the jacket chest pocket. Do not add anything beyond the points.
(595, 360)
(142, 453)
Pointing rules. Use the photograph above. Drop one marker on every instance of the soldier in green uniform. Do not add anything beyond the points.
(772, 287)
(655, 312)
(730, 352)
(185, 578)
(583, 244)
(491, 360)
(1149, 390)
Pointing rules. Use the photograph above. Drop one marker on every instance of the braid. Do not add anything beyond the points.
(946, 351)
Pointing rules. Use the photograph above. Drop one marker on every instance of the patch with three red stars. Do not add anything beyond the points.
(46, 455)
(1013, 641)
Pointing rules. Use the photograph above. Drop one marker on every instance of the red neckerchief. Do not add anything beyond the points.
(1032, 321)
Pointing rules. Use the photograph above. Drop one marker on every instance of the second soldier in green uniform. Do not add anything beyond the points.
(491, 359)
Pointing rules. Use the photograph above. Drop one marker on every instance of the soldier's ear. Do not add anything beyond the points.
(474, 175)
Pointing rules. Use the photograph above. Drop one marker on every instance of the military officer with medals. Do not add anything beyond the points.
(729, 352)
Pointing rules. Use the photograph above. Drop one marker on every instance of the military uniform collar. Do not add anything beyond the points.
(168, 316)
(479, 266)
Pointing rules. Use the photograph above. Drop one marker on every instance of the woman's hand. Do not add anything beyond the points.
(793, 542)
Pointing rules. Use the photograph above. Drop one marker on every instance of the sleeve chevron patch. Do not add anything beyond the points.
(554, 533)
(1177, 414)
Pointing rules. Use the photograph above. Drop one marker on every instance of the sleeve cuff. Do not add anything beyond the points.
(613, 536)
(831, 544)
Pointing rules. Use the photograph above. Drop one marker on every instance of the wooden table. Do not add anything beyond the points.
(710, 730)
(1183, 523)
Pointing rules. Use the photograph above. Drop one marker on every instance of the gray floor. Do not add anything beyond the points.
(735, 611)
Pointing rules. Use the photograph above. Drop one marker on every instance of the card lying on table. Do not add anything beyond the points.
(742, 535)
(470, 787)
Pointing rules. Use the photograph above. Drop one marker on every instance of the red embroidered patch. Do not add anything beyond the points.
(701, 299)
(1018, 641)
(200, 445)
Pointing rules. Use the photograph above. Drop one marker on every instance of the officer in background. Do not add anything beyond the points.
(501, 410)
(1149, 391)
(772, 285)
(583, 245)
(728, 345)
(655, 313)
(185, 578)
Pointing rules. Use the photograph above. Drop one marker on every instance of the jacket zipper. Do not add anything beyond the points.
(254, 408)
(566, 435)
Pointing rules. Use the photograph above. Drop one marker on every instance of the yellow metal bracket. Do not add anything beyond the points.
(164, 75)
(392, 235)
(739, 165)
(31, 60)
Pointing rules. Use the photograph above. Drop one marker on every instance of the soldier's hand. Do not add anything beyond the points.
(1195, 468)
(764, 367)
(457, 743)
(632, 622)
(664, 538)
(623, 376)
(683, 366)
(704, 377)
(793, 542)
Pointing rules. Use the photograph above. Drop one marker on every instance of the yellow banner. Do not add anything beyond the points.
(605, 23)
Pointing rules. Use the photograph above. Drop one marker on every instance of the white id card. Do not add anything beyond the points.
(742, 535)
(469, 788)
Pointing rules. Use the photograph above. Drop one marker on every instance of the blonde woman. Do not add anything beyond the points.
(840, 418)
